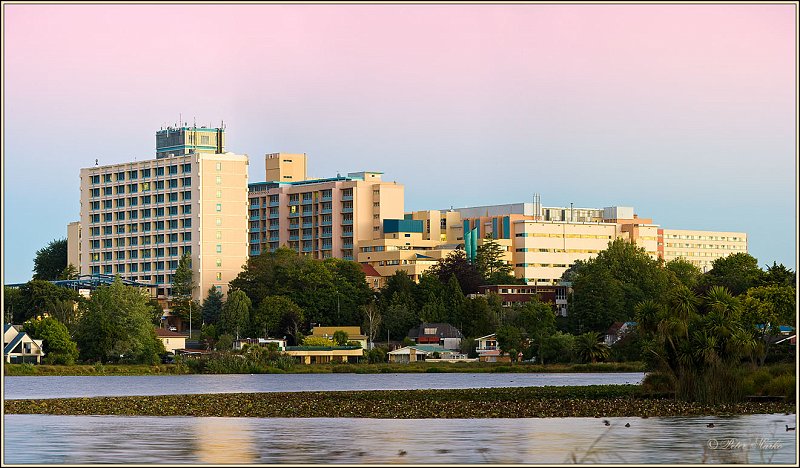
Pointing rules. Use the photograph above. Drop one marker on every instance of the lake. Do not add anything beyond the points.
(47, 439)
(90, 386)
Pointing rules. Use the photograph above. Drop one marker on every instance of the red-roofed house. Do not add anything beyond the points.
(374, 279)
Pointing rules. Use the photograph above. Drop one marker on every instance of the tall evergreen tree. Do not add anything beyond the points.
(235, 318)
(50, 261)
(212, 306)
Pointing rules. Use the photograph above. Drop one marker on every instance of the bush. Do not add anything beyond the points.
(783, 385)
(657, 382)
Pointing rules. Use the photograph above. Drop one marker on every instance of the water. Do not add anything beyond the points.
(45, 439)
(90, 386)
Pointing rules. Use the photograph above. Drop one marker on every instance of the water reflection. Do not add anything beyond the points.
(111, 439)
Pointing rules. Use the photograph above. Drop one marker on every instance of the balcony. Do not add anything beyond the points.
(274, 203)
(347, 245)
(326, 223)
(347, 234)
(274, 215)
(255, 217)
(347, 257)
(326, 198)
(294, 215)
(347, 210)
(254, 229)
(307, 201)
(326, 247)
(325, 211)
(274, 238)
(294, 238)
(294, 225)
(274, 227)
(294, 202)
(255, 206)
(307, 248)
(347, 197)
(308, 225)
(326, 235)
(347, 222)
(307, 236)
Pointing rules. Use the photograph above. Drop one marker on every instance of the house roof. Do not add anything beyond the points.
(369, 270)
(423, 349)
(443, 330)
(164, 333)
(20, 336)
(485, 337)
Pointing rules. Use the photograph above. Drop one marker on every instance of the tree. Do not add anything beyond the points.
(57, 345)
(538, 320)
(489, 260)
(278, 315)
(398, 318)
(558, 348)
(698, 343)
(212, 306)
(737, 273)
(456, 263)
(51, 260)
(224, 343)
(572, 273)
(38, 297)
(236, 313)
(608, 287)
(453, 299)
(764, 310)
(510, 341)
(372, 321)
(156, 311)
(12, 301)
(590, 348)
(684, 271)
(778, 275)
(70, 272)
(182, 288)
(116, 326)
(479, 319)
(340, 337)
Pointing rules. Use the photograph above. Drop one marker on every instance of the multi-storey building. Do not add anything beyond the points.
(415, 245)
(138, 218)
(700, 248)
(319, 217)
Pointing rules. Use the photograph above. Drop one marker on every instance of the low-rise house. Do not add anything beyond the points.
(374, 279)
(171, 340)
(442, 334)
(617, 331)
(263, 342)
(426, 353)
(489, 351)
(19, 347)
(325, 354)
(353, 334)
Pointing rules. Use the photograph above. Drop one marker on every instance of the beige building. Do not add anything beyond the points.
(74, 247)
(138, 219)
(700, 248)
(286, 167)
(323, 218)
(408, 245)
(172, 340)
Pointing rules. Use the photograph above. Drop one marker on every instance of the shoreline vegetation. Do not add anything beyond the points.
(383, 368)
(601, 401)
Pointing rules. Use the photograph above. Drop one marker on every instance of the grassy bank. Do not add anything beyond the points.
(133, 369)
(604, 401)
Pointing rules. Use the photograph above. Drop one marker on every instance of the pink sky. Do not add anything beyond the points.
(681, 99)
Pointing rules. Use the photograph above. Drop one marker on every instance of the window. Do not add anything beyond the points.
(219, 235)
(173, 197)
(187, 236)
(173, 183)
(95, 192)
(159, 185)
(219, 221)
(186, 209)
(219, 248)
(219, 180)
(96, 179)
(219, 276)
(187, 181)
(219, 193)
(187, 168)
(219, 263)
(219, 206)
(219, 166)
(187, 222)
(173, 169)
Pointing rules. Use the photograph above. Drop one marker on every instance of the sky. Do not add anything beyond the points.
(685, 112)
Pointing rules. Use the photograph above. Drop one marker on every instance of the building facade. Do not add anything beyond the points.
(138, 219)
(322, 218)
(700, 248)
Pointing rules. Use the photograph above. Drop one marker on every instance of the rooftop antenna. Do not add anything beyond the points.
(96, 162)
(180, 119)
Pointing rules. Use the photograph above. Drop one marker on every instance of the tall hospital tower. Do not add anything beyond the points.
(138, 218)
